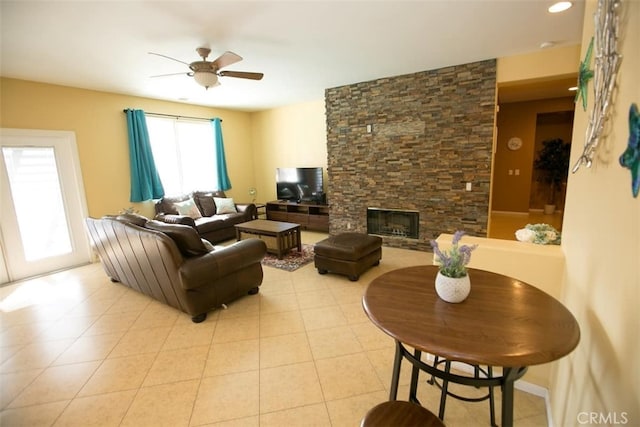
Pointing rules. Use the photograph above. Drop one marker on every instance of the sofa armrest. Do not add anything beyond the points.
(176, 219)
(249, 209)
(200, 271)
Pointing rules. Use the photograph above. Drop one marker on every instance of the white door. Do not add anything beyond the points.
(42, 200)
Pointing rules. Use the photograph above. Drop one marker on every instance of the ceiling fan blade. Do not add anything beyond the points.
(168, 57)
(241, 74)
(226, 59)
(170, 74)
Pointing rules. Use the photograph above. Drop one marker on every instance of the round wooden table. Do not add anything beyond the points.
(504, 322)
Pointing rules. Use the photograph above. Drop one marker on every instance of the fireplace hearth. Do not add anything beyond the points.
(393, 222)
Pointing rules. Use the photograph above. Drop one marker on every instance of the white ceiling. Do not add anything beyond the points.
(302, 47)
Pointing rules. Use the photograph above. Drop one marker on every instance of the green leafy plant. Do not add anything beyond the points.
(552, 165)
(541, 234)
(453, 262)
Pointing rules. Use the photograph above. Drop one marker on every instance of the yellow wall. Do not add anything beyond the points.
(541, 65)
(101, 136)
(511, 192)
(291, 136)
(601, 242)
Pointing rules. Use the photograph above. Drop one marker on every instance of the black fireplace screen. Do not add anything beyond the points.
(393, 222)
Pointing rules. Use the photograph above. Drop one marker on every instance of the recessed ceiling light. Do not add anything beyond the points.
(545, 45)
(573, 88)
(560, 6)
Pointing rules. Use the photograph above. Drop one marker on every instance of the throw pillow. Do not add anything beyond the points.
(225, 205)
(133, 218)
(207, 244)
(186, 238)
(188, 208)
(166, 205)
(207, 205)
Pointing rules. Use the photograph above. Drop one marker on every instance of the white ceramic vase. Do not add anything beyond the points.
(452, 289)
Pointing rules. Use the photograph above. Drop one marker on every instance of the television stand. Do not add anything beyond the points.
(309, 215)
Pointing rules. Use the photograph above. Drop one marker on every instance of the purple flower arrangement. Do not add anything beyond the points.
(453, 262)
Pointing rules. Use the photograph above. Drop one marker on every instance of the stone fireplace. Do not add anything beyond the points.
(393, 222)
(413, 142)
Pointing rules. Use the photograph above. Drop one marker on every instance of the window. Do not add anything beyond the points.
(184, 153)
(34, 181)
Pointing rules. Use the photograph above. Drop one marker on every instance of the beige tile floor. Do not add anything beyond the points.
(78, 350)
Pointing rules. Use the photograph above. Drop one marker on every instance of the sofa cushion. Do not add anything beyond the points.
(204, 200)
(207, 224)
(207, 244)
(166, 205)
(186, 238)
(188, 208)
(133, 218)
(224, 205)
(218, 222)
(206, 204)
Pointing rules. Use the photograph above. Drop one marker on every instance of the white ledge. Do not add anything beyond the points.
(539, 265)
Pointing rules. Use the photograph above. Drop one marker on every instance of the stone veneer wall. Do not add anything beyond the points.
(431, 132)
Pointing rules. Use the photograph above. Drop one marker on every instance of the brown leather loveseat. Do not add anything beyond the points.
(203, 210)
(173, 265)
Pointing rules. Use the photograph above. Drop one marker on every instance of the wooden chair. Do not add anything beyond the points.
(398, 413)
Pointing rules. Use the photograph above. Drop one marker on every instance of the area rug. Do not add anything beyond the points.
(292, 261)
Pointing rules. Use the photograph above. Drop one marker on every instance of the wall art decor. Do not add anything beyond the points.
(584, 75)
(607, 63)
(630, 158)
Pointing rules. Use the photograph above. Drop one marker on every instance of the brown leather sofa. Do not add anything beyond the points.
(171, 264)
(209, 223)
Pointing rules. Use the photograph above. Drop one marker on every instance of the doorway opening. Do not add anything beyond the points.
(529, 113)
(43, 203)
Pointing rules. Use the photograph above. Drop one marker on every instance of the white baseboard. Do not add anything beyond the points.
(539, 391)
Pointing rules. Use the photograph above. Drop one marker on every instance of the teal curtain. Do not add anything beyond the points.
(145, 181)
(223, 178)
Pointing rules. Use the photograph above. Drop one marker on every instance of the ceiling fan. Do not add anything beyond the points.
(206, 73)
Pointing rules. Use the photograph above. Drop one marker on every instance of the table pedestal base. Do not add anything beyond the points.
(444, 387)
(505, 381)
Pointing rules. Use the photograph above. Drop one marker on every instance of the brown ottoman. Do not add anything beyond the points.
(350, 254)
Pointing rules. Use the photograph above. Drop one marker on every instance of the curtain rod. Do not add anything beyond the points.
(173, 115)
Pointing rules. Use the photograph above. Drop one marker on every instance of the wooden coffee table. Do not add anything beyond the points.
(280, 237)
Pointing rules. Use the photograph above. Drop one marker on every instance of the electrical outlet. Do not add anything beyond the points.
(468, 187)
(348, 226)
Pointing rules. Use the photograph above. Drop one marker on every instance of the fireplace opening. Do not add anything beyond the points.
(393, 222)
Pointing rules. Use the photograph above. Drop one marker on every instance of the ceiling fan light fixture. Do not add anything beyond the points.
(206, 79)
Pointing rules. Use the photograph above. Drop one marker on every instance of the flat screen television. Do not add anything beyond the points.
(300, 184)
